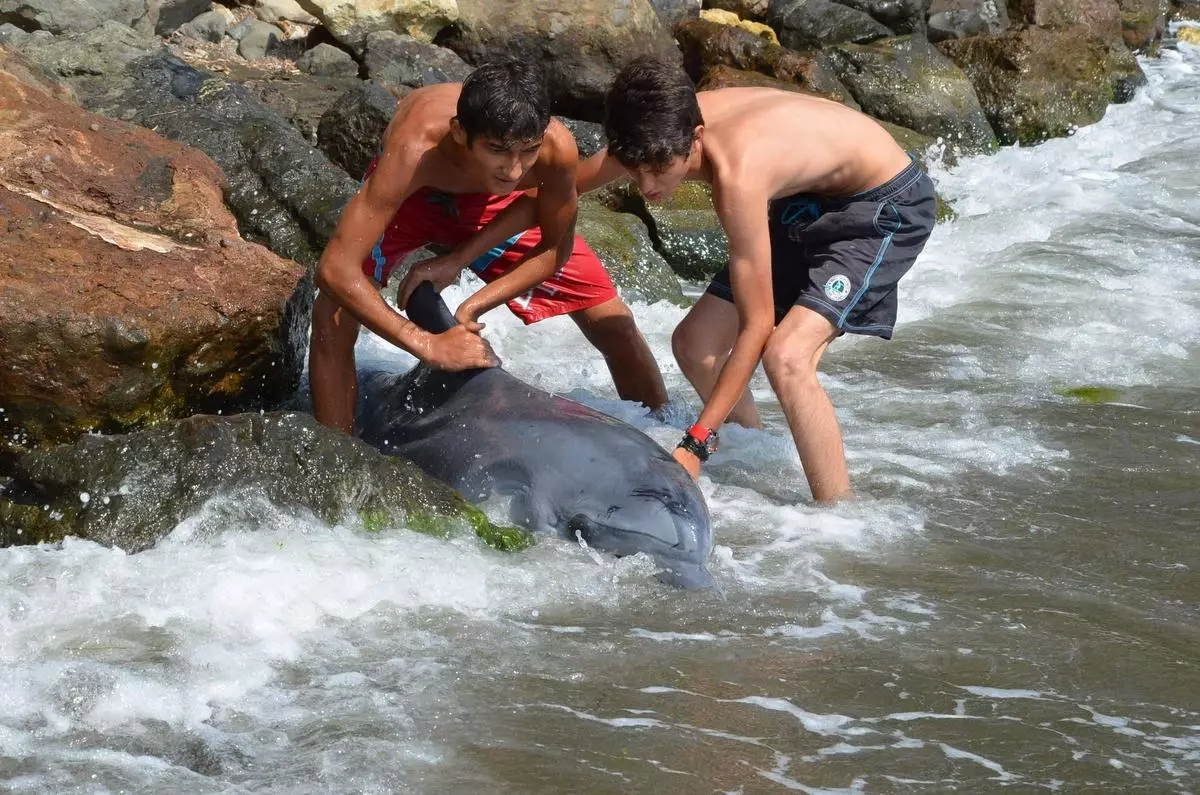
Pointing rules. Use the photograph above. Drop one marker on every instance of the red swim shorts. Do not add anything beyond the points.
(448, 219)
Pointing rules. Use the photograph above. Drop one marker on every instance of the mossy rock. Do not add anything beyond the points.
(623, 244)
(141, 485)
(1037, 83)
(1090, 394)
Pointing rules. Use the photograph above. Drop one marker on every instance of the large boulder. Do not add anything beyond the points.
(581, 42)
(622, 243)
(1143, 23)
(900, 16)
(672, 12)
(172, 14)
(708, 45)
(807, 24)
(79, 16)
(684, 227)
(400, 60)
(126, 294)
(351, 131)
(1038, 83)
(351, 21)
(284, 192)
(959, 19)
(907, 81)
(1100, 17)
(325, 60)
(131, 490)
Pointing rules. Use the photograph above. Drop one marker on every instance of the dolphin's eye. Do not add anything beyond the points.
(668, 500)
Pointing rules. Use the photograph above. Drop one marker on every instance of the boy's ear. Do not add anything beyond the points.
(457, 132)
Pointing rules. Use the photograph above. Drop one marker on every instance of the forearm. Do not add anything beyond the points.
(734, 376)
(512, 220)
(537, 266)
(354, 293)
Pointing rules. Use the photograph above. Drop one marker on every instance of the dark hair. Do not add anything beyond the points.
(651, 113)
(506, 100)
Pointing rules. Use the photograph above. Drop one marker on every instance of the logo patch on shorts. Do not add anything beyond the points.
(837, 288)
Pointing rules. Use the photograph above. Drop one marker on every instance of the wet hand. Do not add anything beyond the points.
(442, 271)
(688, 461)
(461, 348)
(467, 315)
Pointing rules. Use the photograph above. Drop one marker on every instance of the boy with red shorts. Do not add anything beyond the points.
(453, 158)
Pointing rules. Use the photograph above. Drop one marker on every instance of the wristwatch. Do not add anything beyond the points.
(700, 441)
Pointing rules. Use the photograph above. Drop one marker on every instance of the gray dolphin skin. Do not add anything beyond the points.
(564, 468)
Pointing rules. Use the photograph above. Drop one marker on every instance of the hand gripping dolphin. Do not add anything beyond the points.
(565, 468)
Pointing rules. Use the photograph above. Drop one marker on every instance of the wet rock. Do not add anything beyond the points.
(87, 58)
(351, 22)
(399, 59)
(132, 490)
(157, 319)
(623, 245)
(899, 16)
(808, 24)
(907, 81)
(722, 17)
(351, 131)
(683, 227)
(284, 193)
(589, 136)
(1036, 83)
(325, 60)
(958, 19)
(582, 43)
(259, 38)
(706, 45)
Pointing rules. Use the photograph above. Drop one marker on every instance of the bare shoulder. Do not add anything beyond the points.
(421, 120)
(559, 149)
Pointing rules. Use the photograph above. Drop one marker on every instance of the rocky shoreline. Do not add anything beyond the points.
(171, 169)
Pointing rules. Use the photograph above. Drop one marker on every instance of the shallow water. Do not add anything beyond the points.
(1011, 603)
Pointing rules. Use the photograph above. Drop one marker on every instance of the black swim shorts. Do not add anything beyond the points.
(843, 256)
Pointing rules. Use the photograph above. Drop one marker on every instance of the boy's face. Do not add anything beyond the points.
(658, 182)
(501, 165)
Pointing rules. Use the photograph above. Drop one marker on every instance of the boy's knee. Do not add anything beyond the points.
(684, 344)
(788, 362)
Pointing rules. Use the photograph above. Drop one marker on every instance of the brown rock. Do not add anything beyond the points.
(707, 45)
(118, 305)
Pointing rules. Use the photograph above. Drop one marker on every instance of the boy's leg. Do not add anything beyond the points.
(583, 289)
(702, 342)
(611, 330)
(791, 357)
(331, 370)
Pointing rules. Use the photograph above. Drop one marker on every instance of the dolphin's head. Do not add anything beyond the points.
(651, 506)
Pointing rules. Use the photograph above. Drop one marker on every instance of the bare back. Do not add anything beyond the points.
(795, 143)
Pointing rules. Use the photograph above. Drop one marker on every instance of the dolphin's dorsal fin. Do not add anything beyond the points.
(427, 309)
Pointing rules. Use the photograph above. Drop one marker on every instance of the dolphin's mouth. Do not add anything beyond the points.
(676, 570)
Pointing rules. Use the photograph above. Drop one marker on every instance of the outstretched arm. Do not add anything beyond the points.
(597, 171)
(339, 273)
(742, 209)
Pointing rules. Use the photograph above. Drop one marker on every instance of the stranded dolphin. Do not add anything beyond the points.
(565, 468)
